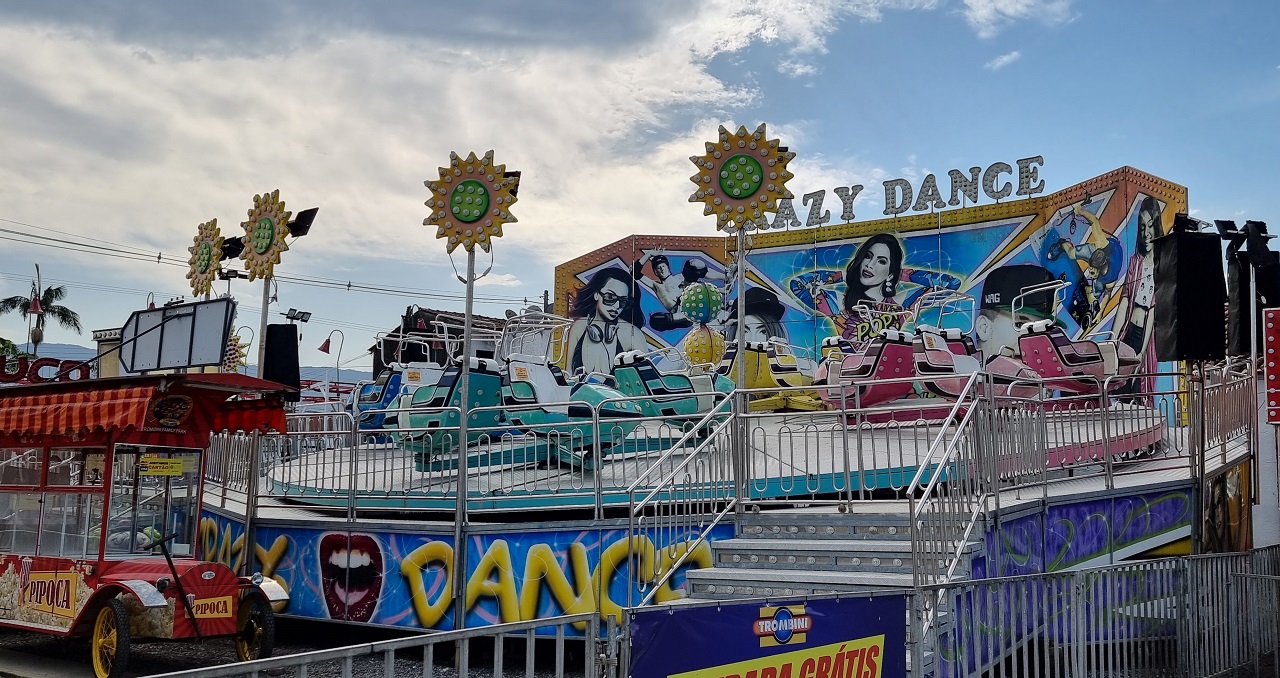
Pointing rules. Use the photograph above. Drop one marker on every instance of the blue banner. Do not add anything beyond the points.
(829, 638)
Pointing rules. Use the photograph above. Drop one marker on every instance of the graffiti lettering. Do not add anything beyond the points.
(494, 575)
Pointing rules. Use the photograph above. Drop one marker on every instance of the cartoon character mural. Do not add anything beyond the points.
(856, 280)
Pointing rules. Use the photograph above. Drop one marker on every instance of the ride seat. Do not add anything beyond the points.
(898, 336)
(549, 386)
(1035, 326)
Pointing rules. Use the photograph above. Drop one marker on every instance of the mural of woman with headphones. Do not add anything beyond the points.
(608, 322)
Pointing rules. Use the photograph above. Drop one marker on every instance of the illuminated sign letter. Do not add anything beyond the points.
(892, 204)
(962, 185)
(816, 216)
(847, 196)
(929, 195)
(991, 176)
(786, 215)
(1029, 181)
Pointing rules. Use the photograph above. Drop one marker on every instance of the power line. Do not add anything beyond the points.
(330, 283)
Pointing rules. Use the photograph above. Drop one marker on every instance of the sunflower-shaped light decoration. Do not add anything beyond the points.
(471, 201)
(264, 235)
(205, 252)
(237, 355)
(741, 178)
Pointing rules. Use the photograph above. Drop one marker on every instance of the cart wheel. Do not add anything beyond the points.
(255, 629)
(110, 647)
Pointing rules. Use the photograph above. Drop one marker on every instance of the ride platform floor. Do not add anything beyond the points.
(790, 456)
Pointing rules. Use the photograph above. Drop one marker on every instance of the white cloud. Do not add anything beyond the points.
(1002, 61)
(989, 17)
(498, 280)
(797, 68)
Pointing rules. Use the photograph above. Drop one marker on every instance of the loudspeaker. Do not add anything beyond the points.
(1190, 298)
(282, 359)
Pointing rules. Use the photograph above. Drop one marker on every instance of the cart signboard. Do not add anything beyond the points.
(177, 337)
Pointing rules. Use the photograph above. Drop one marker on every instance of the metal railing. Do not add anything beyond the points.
(383, 657)
(678, 498)
(1188, 616)
(1193, 616)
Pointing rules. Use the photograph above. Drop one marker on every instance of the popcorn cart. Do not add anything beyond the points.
(100, 488)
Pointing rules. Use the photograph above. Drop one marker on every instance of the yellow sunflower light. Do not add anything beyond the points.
(205, 253)
(237, 355)
(264, 235)
(471, 201)
(741, 178)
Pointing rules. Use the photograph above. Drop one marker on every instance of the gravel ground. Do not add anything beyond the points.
(295, 636)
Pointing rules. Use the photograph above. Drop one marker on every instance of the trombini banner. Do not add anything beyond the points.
(862, 637)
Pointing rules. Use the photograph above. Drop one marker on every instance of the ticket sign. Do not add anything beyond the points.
(160, 466)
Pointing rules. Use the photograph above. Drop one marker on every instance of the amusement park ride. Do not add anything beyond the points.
(668, 440)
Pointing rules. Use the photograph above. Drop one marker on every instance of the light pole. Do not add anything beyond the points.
(337, 362)
(469, 203)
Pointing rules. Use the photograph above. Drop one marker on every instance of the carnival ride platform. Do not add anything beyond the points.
(792, 457)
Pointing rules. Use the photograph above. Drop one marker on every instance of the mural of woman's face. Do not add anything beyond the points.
(874, 268)
(755, 329)
(1147, 225)
(611, 300)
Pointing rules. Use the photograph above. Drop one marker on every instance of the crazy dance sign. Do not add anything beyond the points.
(825, 638)
(855, 280)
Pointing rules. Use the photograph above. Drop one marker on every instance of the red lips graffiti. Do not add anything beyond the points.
(351, 574)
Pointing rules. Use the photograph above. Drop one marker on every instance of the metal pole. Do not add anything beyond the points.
(262, 326)
(740, 334)
(460, 511)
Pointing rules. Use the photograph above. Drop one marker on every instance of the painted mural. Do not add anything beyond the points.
(1086, 534)
(855, 280)
(403, 579)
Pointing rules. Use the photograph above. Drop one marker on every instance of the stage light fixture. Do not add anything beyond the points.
(231, 248)
(301, 224)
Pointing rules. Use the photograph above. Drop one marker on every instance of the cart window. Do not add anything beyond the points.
(20, 465)
(19, 521)
(72, 524)
(154, 493)
(75, 467)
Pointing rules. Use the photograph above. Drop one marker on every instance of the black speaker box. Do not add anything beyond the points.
(1190, 298)
(282, 358)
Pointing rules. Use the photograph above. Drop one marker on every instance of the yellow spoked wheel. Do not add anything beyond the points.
(255, 629)
(110, 646)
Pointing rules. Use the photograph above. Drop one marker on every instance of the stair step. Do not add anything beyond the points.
(734, 582)
(831, 526)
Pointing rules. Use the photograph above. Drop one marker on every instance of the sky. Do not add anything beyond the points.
(126, 125)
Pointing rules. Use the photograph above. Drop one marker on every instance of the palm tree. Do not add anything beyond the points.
(49, 308)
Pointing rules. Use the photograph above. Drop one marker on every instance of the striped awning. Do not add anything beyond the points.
(177, 410)
(75, 412)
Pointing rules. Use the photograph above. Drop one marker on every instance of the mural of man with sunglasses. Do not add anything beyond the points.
(609, 321)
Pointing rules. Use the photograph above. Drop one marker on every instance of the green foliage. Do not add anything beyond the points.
(51, 309)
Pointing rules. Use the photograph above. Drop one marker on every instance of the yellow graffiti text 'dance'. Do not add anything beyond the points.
(51, 592)
(494, 577)
(851, 659)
